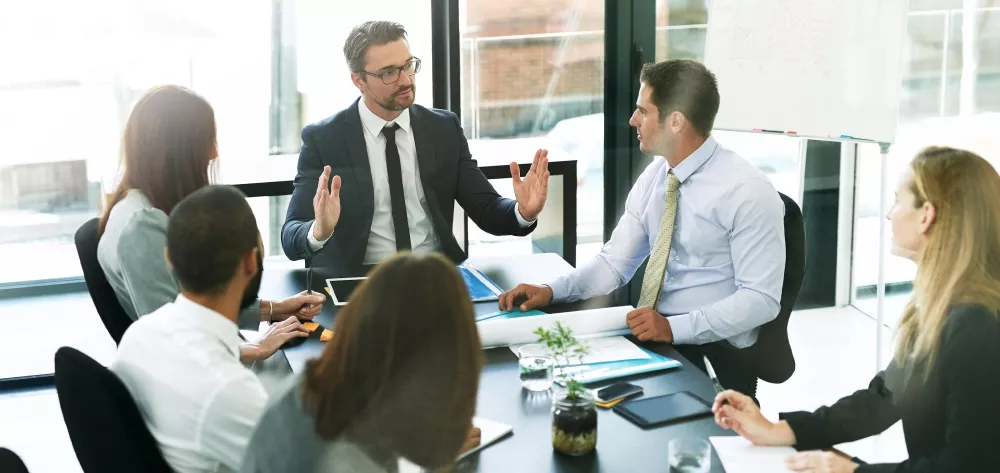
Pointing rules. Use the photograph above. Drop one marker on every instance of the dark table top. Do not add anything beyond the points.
(621, 445)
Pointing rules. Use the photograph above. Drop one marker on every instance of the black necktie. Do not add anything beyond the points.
(396, 197)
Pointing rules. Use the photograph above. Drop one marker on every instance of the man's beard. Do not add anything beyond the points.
(393, 103)
(253, 287)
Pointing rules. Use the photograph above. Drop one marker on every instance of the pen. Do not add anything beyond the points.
(714, 378)
(309, 278)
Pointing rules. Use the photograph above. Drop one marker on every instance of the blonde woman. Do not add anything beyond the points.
(945, 375)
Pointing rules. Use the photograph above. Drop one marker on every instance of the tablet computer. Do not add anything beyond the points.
(341, 289)
(659, 410)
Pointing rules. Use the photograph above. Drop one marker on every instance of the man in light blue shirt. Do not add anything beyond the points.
(716, 241)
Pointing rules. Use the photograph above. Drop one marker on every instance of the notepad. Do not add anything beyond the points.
(310, 326)
(490, 431)
(739, 455)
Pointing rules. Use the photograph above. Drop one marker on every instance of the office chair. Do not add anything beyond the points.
(772, 355)
(104, 424)
(108, 308)
(10, 462)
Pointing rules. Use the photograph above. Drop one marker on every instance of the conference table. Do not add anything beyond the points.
(621, 445)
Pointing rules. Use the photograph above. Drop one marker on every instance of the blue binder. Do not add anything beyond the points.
(594, 372)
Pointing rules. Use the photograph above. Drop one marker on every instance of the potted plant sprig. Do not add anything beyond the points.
(574, 416)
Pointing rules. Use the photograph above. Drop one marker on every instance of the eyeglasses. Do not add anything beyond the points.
(391, 75)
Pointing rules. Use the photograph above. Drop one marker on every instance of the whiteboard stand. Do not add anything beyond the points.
(880, 287)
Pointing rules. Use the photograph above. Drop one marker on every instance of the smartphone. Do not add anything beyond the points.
(617, 391)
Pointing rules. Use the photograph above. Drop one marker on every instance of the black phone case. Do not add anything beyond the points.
(623, 410)
(631, 394)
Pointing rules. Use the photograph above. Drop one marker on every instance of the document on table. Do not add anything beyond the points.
(491, 431)
(739, 455)
(600, 350)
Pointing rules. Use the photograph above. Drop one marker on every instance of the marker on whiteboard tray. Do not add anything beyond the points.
(849, 137)
(761, 130)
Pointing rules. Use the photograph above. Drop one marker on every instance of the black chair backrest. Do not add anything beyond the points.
(772, 354)
(10, 462)
(104, 424)
(108, 308)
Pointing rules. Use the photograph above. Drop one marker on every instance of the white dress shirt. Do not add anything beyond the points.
(382, 239)
(181, 364)
(727, 256)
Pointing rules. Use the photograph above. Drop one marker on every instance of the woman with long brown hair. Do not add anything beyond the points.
(398, 380)
(168, 149)
(945, 375)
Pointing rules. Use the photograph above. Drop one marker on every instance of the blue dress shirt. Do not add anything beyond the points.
(727, 258)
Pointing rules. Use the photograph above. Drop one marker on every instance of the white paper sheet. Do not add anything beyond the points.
(739, 455)
(585, 324)
(601, 350)
(491, 431)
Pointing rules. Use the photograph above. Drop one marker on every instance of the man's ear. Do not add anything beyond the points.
(359, 81)
(249, 262)
(677, 122)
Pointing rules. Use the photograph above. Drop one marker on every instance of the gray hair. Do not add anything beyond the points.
(366, 35)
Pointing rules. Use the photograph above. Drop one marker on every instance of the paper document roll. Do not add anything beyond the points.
(584, 323)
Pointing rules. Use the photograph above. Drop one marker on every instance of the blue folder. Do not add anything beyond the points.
(594, 372)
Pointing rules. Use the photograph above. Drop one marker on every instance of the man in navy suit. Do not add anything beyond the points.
(397, 169)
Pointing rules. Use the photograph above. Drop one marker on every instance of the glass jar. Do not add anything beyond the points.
(574, 424)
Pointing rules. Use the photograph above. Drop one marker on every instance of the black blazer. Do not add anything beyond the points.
(447, 173)
(949, 416)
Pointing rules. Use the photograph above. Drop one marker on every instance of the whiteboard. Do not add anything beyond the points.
(819, 68)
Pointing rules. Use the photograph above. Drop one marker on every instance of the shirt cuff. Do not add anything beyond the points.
(682, 327)
(560, 290)
(314, 244)
(517, 213)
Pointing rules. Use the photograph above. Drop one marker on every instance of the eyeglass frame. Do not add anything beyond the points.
(399, 70)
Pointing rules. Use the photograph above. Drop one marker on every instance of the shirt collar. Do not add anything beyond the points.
(693, 162)
(212, 322)
(374, 124)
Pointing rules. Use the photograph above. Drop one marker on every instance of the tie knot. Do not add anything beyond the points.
(672, 182)
(390, 131)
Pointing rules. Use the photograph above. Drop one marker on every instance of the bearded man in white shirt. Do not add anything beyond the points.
(181, 363)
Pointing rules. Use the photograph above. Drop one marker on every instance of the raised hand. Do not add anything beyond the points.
(532, 190)
(326, 205)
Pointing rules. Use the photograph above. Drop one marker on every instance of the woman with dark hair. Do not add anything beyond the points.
(945, 373)
(168, 148)
(398, 381)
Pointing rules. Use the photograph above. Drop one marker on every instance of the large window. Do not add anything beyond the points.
(950, 96)
(533, 77)
(66, 89)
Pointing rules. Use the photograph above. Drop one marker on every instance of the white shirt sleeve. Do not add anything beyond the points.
(229, 419)
(314, 244)
(520, 219)
(619, 258)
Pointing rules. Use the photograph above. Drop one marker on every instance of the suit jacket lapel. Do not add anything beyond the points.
(358, 154)
(424, 143)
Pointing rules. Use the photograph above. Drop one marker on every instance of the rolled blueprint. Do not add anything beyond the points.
(585, 324)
